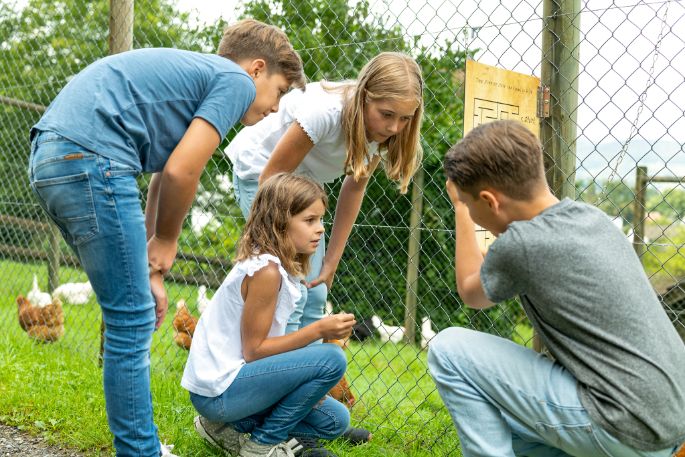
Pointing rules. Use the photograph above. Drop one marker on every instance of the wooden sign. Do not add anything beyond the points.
(492, 94)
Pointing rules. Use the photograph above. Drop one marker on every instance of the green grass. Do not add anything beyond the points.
(55, 390)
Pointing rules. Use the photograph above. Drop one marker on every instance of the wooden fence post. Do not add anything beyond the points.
(53, 258)
(559, 71)
(120, 40)
(120, 26)
(413, 257)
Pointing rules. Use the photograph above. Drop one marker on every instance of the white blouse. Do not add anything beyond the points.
(216, 354)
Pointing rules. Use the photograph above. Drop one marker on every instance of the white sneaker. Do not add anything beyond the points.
(252, 449)
(165, 450)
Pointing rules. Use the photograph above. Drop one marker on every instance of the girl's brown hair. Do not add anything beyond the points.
(278, 199)
(388, 76)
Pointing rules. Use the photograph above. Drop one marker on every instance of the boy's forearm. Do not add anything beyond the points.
(467, 255)
(151, 205)
(176, 194)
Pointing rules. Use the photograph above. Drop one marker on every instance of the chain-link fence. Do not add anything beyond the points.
(398, 264)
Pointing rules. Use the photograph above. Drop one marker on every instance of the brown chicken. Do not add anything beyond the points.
(184, 325)
(341, 391)
(44, 324)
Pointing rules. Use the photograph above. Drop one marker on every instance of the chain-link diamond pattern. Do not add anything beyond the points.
(630, 113)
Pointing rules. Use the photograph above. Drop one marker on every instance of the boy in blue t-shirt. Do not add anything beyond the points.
(162, 111)
(616, 385)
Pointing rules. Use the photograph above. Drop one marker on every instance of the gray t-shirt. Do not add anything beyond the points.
(587, 295)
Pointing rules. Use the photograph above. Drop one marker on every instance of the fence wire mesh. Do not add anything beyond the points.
(628, 148)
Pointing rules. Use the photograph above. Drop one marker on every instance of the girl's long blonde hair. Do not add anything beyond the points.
(388, 76)
(278, 199)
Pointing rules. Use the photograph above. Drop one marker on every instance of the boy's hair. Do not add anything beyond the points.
(388, 76)
(252, 39)
(278, 199)
(504, 155)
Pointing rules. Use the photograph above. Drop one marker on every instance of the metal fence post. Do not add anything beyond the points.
(639, 211)
(413, 257)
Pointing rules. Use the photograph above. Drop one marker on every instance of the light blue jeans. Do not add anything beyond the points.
(283, 395)
(507, 400)
(95, 203)
(311, 305)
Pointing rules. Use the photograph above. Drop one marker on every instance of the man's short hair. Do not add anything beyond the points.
(252, 39)
(503, 155)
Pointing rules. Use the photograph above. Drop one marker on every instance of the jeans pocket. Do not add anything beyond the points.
(574, 439)
(68, 200)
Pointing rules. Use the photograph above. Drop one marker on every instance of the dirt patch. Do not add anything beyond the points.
(14, 442)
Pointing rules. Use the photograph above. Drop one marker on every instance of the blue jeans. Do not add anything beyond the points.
(95, 203)
(508, 400)
(281, 396)
(310, 307)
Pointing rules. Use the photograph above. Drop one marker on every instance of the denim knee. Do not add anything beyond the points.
(336, 362)
(340, 419)
(453, 341)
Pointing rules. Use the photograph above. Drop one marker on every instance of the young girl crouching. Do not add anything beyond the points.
(244, 374)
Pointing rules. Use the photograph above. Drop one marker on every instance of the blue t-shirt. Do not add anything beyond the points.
(134, 107)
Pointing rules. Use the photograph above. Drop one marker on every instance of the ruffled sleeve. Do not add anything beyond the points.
(290, 290)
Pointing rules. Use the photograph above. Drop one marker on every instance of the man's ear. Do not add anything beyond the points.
(255, 67)
(491, 197)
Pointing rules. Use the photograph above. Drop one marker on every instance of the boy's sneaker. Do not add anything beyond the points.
(220, 435)
(308, 447)
(252, 449)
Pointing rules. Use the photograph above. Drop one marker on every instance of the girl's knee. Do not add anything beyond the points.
(333, 360)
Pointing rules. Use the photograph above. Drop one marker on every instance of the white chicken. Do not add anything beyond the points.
(427, 332)
(387, 332)
(76, 293)
(36, 297)
(202, 300)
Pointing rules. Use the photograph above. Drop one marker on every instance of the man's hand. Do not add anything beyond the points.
(160, 296)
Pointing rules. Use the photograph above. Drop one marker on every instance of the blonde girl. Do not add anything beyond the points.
(330, 130)
(244, 373)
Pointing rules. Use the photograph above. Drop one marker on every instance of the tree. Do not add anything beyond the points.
(41, 47)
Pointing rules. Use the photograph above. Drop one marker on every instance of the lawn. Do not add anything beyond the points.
(55, 390)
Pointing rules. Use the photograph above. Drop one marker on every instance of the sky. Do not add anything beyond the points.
(631, 91)
(618, 41)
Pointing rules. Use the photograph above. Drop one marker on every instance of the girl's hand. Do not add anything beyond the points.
(325, 276)
(160, 296)
(337, 326)
(161, 254)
